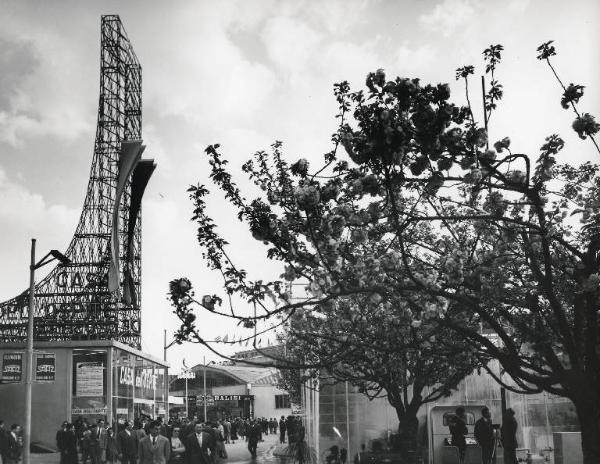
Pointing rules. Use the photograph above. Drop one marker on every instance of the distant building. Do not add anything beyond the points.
(232, 391)
(266, 355)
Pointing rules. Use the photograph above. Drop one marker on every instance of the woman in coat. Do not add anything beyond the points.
(112, 453)
(70, 445)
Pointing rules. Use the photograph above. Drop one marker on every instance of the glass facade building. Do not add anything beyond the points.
(93, 379)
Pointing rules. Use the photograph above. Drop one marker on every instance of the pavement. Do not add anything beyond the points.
(266, 452)
(269, 451)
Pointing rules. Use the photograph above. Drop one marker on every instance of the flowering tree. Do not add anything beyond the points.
(421, 217)
(378, 349)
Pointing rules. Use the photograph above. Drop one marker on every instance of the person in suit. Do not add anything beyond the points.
(127, 445)
(101, 438)
(14, 446)
(199, 447)
(60, 442)
(254, 436)
(112, 453)
(509, 436)
(458, 430)
(154, 448)
(484, 434)
(3, 442)
(70, 443)
(282, 429)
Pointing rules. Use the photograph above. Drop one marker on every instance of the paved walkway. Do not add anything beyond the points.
(237, 453)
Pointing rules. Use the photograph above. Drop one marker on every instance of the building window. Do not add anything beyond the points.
(282, 401)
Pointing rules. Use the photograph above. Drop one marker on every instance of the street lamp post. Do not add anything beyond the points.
(205, 399)
(204, 382)
(51, 256)
(186, 374)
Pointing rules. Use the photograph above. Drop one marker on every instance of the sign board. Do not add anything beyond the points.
(296, 409)
(89, 379)
(210, 401)
(12, 367)
(191, 401)
(45, 367)
(232, 397)
(122, 411)
(83, 411)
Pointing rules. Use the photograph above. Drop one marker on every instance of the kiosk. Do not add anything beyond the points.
(92, 379)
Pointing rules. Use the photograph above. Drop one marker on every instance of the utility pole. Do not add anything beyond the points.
(205, 399)
(29, 356)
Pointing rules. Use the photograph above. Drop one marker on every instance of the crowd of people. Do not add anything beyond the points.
(146, 441)
(150, 441)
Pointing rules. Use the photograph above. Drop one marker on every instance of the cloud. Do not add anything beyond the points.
(209, 79)
(25, 214)
(34, 60)
(449, 15)
(290, 43)
(22, 208)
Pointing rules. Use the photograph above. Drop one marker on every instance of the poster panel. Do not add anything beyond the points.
(12, 367)
(45, 367)
(88, 405)
(89, 378)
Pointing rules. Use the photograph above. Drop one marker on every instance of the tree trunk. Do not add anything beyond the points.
(588, 412)
(407, 436)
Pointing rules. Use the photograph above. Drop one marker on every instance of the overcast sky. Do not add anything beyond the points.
(244, 74)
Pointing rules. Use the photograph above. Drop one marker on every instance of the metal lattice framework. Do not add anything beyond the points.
(74, 301)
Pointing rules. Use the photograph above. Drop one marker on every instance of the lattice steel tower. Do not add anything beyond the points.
(97, 296)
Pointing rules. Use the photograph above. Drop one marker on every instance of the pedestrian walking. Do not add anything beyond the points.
(85, 444)
(227, 430)
(177, 447)
(484, 434)
(127, 445)
(3, 442)
(282, 429)
(70, 443)
(112, 452)
(154, 448)
(220, 442)
(100, 445)
(14, 449)
(60, 441)
(254, 436)
(343, 455)
(199, 447)
(234, 430)
(509, 436)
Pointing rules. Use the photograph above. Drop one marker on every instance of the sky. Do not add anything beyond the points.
(245, 74)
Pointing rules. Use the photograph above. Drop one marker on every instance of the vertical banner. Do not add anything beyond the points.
(12, 367)
(45, 367)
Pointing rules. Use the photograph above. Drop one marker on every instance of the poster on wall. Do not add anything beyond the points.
(89, 378)
(12, 367)
(45, 367)
(88, 405)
